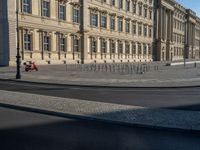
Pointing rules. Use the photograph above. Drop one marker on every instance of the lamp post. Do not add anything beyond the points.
(18, 57)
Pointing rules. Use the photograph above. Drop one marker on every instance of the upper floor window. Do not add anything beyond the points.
(103, 21)
(145, 31)
(94, 19)
(127, 26)
(112, 23)
(127, 5)
(62, 11)
(112, 2)
(26, 6)
(75, 15)
(145, 12)
(140, 9)
(134, 28)
(150, 14)
(134, 6)
(45, 8)
(121, 4)
(120, 25)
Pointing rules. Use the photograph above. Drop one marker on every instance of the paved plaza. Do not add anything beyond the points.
(153, 75)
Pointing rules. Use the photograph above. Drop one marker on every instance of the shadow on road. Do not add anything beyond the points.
(77, 134)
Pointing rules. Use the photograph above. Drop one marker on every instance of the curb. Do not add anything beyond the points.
(102, 86)
(90, 118)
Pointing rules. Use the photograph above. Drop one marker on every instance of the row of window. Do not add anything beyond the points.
(45, 9)
(62, 43)
(179, 38)
(103, 24)
(179, 25)
(127, 6)
(103, 46)
(178, 51)
(46, 42)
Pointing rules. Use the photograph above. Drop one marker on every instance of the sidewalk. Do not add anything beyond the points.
(173, 76)
(113, 113)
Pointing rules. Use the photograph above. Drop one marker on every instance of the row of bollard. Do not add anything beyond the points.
(128, 68)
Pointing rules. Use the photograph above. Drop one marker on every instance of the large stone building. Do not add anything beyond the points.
(176, 33)
(97, 31)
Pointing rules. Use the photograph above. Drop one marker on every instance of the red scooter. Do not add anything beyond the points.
(29, 66)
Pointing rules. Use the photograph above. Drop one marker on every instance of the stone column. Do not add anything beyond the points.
(172, 25)
(131, 6)
(69, 43)
(130, 48)
(160, 23)
(136, 49)
(142, 51)
(107, 46)
(116, 47)
(98, 40)
(164, 23)
(53, 41)
(124, 47)
(147, 51)
(108, 22)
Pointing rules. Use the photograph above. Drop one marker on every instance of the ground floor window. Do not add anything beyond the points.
(112, 46)
(46, 43)
(62, 43)
(76, 42)
(134, 48)
(93, 45)
(139, 49)
(103, 45)
(120, 47)
(145, 49)
(127, 48)
(27, 42)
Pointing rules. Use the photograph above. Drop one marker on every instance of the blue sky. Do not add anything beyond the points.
(192, 4)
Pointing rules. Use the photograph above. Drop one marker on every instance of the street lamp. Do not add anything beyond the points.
(18, 57)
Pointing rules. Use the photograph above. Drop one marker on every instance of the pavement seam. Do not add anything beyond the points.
(101, 86)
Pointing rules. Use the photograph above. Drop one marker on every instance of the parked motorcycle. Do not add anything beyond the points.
(29, 66)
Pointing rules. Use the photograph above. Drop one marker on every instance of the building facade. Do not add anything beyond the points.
(97, 31)
(176, 35)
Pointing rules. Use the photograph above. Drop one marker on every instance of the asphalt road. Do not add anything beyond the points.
(20, 130)
(172, 98)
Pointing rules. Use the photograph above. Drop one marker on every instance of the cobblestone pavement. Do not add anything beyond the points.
(115, 113)
(165, 76)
